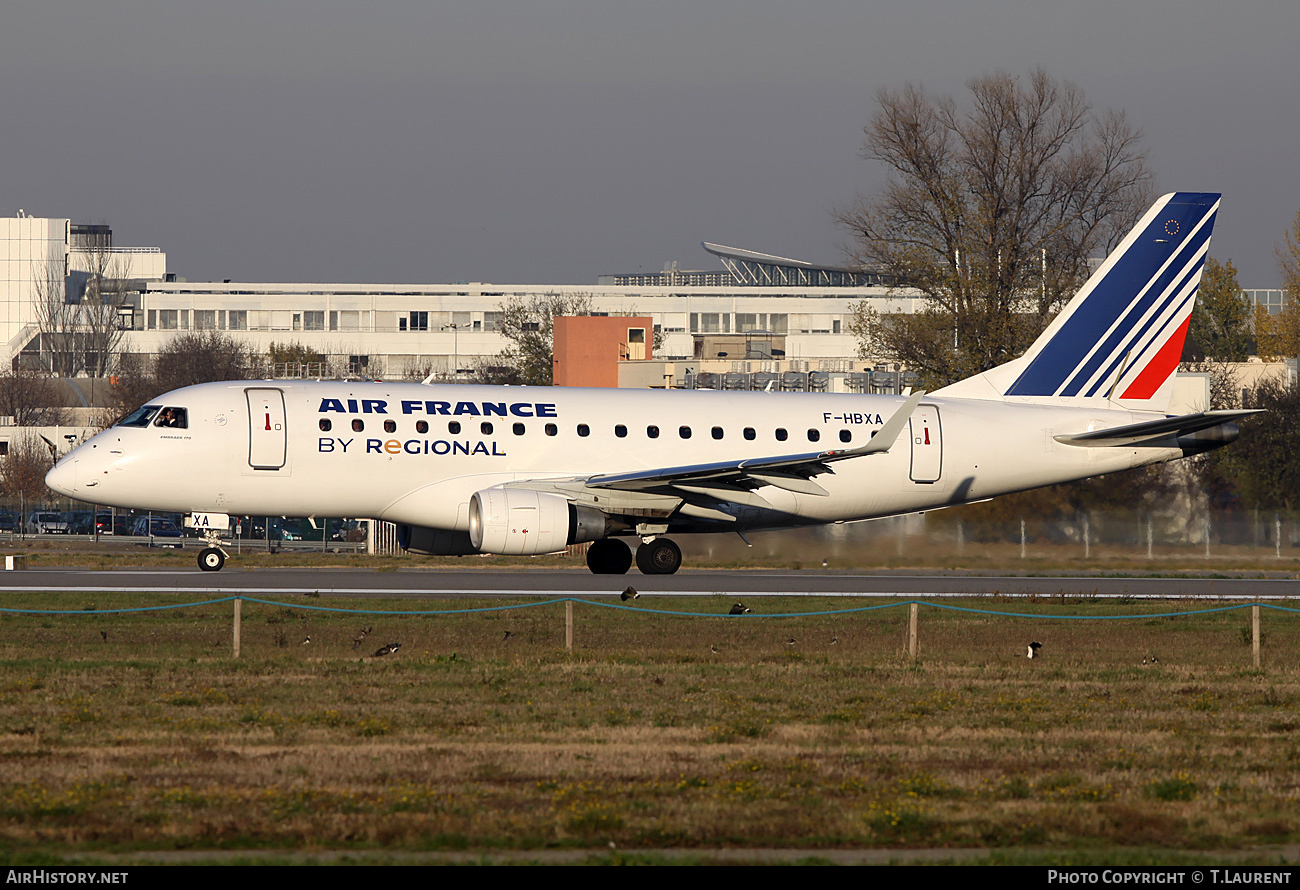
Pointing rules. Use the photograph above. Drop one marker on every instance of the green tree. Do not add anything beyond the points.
(1221, 322)
(991, 212)
(1260, 467)
(529, 326)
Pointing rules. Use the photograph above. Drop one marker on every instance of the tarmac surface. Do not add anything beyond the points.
(563, 582)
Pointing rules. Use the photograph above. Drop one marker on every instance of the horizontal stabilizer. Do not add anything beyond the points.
(1135, 433)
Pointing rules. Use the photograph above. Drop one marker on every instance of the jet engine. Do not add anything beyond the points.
(522, 521)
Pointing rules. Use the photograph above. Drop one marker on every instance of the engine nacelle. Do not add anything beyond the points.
(520, 521)
(433, 541)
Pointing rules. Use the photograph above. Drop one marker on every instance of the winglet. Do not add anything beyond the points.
(887, 435)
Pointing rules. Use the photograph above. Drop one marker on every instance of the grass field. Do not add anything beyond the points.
(126, 733)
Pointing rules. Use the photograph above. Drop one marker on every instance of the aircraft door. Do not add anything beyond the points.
(266, 428)
(927, 444)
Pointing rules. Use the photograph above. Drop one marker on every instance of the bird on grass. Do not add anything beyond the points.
(307, 640)
(738, 609)
(1032, 651)
(387, 650)
(507, 636)
(629, 594)
(791, 641)
(357, 640)
(714, 649)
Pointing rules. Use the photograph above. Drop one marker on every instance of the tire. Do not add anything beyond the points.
(211, 559)
(660, 557)
(609, 556)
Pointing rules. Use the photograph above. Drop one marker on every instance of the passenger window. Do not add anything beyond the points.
(453, 427)
(422, 426)
(486, 428)
(172, 417)
(358, 426)
(552, 429)
(390, 426)
(684, 432)
(519, 429)
(717, 432)
(846, 436)
(620, 431)
(814, 435)
(652, 432)
(781, 435)
(584, 430)
(749, 433)
(325, 425)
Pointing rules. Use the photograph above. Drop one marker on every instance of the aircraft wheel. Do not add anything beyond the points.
(660, 557)
(211, 559)
(609, 556)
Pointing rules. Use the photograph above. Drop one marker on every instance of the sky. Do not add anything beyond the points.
(552, 141)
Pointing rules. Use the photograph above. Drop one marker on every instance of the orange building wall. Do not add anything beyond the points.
(588, 348)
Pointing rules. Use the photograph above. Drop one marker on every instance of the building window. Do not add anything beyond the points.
(419, 321)
(238, 319)
(167, 320)
(313, 321)
(205, 319)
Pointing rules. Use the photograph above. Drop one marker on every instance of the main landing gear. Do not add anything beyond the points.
(610, 556)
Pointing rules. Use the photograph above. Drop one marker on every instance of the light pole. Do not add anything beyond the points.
(455, 340)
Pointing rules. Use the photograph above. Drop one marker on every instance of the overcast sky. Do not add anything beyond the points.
(546, 141)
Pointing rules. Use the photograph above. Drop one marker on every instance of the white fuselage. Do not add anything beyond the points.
(415, 454)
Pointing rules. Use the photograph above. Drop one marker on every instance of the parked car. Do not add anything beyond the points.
(41, 522)
(158, 527)
(8, 522)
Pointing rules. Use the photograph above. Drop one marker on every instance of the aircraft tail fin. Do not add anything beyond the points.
(1121, 336)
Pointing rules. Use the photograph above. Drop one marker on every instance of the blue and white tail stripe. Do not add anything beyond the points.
(1121, 324)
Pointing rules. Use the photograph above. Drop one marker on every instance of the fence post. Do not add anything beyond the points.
(568, 625)
(1254, 634)
(1277, 534)
(911, 631)
(1087, 538)
(238, 618)
(1150, 549)
(1022, 539)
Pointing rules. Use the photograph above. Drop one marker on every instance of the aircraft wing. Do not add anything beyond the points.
(1136, 433)
(789, 471)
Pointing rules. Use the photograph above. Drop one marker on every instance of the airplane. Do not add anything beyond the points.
(529, 470)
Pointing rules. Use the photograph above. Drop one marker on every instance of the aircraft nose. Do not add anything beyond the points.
(63, 478)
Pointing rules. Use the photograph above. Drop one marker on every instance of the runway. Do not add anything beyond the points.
(442, 583)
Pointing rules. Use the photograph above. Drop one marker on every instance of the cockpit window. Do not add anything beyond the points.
(176, 418)
(141, 416)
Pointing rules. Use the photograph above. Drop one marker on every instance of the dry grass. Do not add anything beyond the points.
(138, 731)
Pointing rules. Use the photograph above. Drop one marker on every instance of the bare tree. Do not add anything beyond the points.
(185, 360)
(23, 469)
(992, 213)
(78, 312)
(30, 397)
